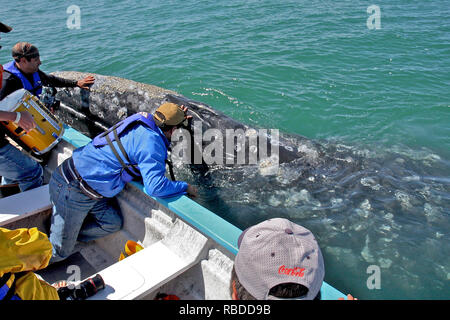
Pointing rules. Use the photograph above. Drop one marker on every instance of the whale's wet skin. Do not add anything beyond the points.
(371, 210)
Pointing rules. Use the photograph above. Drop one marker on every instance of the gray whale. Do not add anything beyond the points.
(112, 99)
(366, 206)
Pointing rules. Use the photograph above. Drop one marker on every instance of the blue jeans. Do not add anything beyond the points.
(16, 167)
(77, 217)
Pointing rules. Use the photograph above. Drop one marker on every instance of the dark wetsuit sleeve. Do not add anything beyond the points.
(11, 83)
(53, 81)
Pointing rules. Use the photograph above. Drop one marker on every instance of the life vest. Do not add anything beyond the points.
(35, 87)
(130, 171)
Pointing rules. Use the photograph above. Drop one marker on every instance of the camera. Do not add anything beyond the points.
(48, 98)
(82, 291)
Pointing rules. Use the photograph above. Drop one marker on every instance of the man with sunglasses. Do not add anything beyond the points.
(83, 187)
(15, 167)
(23, 72)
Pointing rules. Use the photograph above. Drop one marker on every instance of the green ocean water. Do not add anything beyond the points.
(312, 68)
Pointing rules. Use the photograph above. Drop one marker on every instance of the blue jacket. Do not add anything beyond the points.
(102, 171)
(35, 88)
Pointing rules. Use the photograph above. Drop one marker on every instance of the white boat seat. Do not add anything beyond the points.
(20, 208)
(141, 273)
(145, 271)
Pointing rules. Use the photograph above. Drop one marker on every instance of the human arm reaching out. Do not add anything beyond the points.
(58, 82)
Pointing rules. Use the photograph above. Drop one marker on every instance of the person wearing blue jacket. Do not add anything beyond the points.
(83, 187)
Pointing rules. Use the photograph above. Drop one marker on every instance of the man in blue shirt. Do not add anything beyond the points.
(82, 188)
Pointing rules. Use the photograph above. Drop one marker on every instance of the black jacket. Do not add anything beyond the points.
(11, 83)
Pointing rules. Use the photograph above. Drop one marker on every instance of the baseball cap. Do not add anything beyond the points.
(5, 28)
(169, 114)
(278, 251)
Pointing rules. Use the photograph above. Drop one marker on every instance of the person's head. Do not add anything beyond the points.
(5, 29)
(168, 117)
(277, 259)
(26, 57)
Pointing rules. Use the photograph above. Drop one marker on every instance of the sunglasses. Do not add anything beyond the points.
(26, 54)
